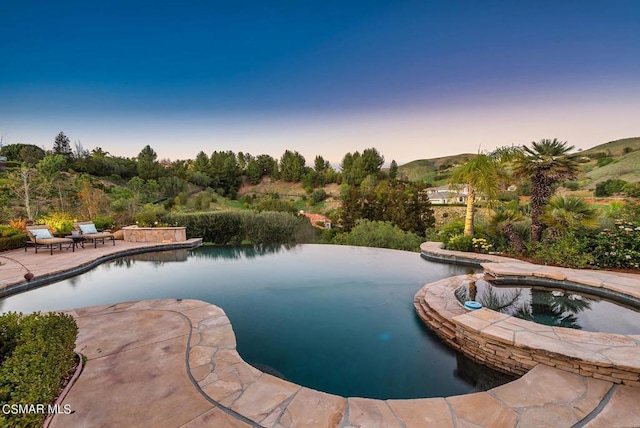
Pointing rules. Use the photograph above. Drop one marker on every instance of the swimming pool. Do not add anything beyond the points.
(333, 318)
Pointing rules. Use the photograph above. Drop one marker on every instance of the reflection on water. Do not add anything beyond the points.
(558, 308)
(478, 375)
(158, 257)
(243, 252)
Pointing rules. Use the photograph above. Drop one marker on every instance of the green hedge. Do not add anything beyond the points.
(36, 355)
(11, 238)
(235, 227)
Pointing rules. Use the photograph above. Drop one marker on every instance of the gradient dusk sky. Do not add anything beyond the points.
(415, 79)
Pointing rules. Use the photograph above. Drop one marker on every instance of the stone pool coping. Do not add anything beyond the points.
(151, 382)
(174, 362)
(514, 345)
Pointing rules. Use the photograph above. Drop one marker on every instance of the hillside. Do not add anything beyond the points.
(619, 159)
(615, 148)
(625, 167)
(435, 171)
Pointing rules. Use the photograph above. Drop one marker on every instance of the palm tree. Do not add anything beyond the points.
(545, 164)
(502, 222)
(569, 213)
(483, 175)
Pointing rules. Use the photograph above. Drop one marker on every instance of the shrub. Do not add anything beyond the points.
(36, 356)
(273, 202)
(318, 196)
(380, 234)
(149, 216)
(566, 250)
(610, 187)
(234, 227)
(604, 161)
(268, 227)
(454, 227)
(571, 185)
(459, 243)
(103, 223)
(60, 222)
(19, 223)
(618, 247)
(11, 238)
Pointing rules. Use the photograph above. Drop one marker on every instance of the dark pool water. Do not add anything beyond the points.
(334, 318)
(555, 307)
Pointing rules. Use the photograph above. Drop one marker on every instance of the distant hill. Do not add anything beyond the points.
(615, 148)
(621, 161)
(435, 171)
(618, 159)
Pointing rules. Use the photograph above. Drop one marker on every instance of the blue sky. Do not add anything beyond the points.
(416, 79)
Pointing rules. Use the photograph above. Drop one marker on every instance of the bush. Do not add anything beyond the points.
(318, 196)
(618, 247)
(566, 250)
(60, 222)
(234, 227)
(604, 161)
(571, 185)
(103, 223)
(452, 228)
(36, 356)
(459, 243)
(610, 187)
(379, 234)
(273, 202)
(11, 238)
(149, 216)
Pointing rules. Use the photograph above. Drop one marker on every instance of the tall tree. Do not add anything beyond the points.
(393, 170)
(544, 163)
(320, 165)
(148, 165)
(24, 182)
(62, 145)
(50, 169)
(482, 176)
(292, 166)
(356, 167)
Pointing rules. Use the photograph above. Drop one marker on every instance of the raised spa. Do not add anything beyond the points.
(554, 307)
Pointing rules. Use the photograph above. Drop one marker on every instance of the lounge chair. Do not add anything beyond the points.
(41, 235)
(89, 232)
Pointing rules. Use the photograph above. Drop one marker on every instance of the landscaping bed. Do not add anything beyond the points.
(37, 359)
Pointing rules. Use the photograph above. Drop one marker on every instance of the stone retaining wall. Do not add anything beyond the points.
(515, 346)
(154, 234)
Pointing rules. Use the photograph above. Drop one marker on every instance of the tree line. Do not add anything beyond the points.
(40, 180)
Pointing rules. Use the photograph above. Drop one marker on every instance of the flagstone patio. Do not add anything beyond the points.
(174, 363)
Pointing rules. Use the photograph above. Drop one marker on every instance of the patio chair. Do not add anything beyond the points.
(89, 232)
(41, 235)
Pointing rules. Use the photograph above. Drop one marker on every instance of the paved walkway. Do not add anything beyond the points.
(173, 363)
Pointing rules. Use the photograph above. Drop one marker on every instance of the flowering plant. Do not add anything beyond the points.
(481, 245)
(617, 247)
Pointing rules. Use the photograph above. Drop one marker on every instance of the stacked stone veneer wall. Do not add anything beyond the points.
(515, 346)
(154, 234)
